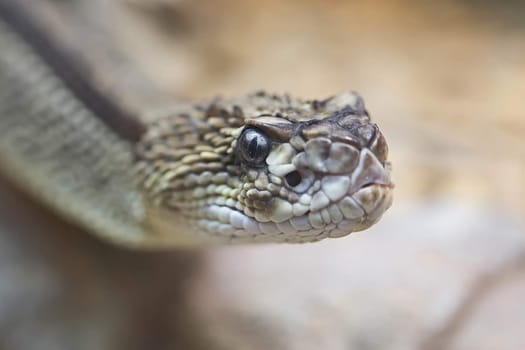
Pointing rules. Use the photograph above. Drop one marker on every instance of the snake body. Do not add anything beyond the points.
(255, 168)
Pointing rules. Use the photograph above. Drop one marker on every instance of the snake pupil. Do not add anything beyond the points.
(294, 178)
(252, 148)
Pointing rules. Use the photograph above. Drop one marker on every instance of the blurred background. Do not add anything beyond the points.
(444, 268)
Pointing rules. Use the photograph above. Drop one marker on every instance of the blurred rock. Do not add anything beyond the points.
(497, 322)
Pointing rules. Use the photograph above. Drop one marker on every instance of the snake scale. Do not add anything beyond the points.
(256, 168)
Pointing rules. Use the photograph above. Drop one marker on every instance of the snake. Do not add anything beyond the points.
(260, 167)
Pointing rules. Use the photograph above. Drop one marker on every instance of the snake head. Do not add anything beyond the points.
(322, 172)
(271, 168)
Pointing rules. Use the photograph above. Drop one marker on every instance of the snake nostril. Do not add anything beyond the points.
(294, 178)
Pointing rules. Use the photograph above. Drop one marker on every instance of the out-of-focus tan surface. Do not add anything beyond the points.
(445, 267)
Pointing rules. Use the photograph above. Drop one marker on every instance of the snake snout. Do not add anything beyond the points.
(370, 171)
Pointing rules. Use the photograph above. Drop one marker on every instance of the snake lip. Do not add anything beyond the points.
(389, 185)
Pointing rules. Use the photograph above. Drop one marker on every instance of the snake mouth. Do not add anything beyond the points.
(388, 184)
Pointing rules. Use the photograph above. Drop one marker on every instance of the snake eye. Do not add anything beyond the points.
(253, 146)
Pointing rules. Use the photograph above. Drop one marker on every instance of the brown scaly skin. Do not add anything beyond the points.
(317, 169)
